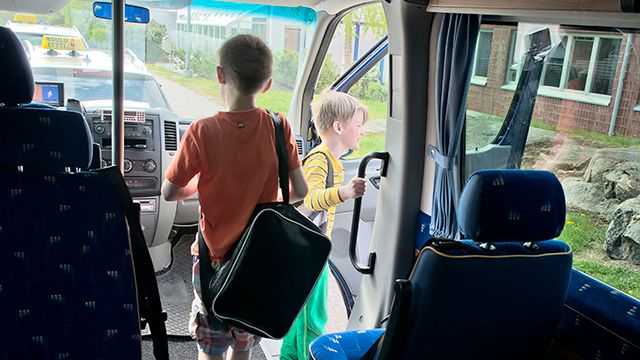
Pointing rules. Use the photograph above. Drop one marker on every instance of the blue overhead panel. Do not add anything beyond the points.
(300, 13)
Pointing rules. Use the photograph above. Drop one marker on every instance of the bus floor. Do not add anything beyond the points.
(176, 294)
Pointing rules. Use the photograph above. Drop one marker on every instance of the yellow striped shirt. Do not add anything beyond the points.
(315, 172)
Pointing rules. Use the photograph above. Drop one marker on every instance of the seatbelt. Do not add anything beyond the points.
(148, 295)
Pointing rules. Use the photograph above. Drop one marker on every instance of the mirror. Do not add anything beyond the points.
(132, 13)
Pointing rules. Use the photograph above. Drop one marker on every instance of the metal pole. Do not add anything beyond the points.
(623, 73)
(187, 52)
(117, 119)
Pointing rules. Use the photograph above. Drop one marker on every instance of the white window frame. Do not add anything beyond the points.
(477, 79)
(579, 95)
(513, 41)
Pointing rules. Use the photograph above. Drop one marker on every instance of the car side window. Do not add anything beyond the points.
(358, 32)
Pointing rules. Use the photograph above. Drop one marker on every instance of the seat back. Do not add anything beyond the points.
(68, 289)
(498, 295)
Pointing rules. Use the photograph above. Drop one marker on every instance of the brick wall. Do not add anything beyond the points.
(563, 113)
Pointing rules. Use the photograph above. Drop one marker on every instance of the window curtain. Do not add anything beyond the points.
(454, 61)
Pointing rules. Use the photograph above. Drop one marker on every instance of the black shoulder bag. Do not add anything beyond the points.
(273, 268)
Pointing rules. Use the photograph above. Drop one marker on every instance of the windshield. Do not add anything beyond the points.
(97, 85)
(178, 48)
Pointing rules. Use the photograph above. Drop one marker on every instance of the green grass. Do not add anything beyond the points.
(539, 124)
(622, 277)
(585, 234)
(203, 86)
(377, 109)
(369, 142)
(582, 232)
(275, 100)
(605, 140)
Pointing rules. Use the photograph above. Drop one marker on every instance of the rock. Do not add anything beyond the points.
(622, 240)
(590, 197)
(626, 177)
(605, 161)
(619, 169)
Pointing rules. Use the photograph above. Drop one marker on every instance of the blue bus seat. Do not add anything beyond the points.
(497, 295)
(598, 322)
(74, 282)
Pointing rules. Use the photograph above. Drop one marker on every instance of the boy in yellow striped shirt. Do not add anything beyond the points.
(339, 119)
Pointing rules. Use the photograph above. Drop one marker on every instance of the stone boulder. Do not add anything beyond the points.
(618, 169)
(622, 241)
(594, 197)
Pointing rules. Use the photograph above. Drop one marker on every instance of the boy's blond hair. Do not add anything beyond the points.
(247, 61)
(335, 106)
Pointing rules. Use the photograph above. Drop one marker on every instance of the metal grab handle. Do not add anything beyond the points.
(355, 221)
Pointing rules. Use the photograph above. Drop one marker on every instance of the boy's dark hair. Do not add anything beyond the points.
(247, 60)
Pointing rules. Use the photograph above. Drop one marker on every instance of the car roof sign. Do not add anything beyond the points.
(25, 18)
(62, 43)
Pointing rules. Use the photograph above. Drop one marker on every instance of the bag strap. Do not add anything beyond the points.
(329, 183)
(281, 151)
(148, 294)
(206, 271)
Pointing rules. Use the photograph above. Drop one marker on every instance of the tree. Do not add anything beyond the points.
(371, 18)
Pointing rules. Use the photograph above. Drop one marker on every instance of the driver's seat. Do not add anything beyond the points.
(68, 285)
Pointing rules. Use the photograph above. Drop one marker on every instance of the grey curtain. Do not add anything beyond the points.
(454, 62)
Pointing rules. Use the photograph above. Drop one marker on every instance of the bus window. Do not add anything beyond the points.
(357, 33)
(584, 127)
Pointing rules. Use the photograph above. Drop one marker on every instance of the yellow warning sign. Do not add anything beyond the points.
(62, 43)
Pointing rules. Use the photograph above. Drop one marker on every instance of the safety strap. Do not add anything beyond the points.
(148, 296)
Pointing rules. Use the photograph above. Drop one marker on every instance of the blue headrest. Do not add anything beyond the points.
(15, 75)
(512, 205)
(44, 138)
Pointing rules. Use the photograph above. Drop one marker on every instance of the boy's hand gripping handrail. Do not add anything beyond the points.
(355, 220)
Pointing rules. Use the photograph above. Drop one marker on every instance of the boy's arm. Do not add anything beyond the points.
(319, 198)
(183, 174)
(298, 185)
(173, 192)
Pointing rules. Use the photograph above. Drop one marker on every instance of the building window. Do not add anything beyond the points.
(583, 63)
(259, 27)
(483, 53)
(518, 47)
(292, 39)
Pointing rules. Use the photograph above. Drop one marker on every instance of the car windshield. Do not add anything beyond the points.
(86, 85)
(178, 49)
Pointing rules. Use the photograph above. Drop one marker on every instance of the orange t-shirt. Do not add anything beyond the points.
(234, 153)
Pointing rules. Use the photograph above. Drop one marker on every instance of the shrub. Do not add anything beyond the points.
(328, 74)
(369, 88)
(203, 64)
(285, 68)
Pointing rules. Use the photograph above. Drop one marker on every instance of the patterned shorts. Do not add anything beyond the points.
(212, 335)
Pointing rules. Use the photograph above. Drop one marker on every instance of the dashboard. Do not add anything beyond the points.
(151, 138)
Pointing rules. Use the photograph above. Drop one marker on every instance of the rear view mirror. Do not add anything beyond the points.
(132, 13)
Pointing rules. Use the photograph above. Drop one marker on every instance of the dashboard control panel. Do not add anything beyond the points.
(142, 148)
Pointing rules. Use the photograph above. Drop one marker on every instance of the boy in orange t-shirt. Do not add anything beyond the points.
(230, 160)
